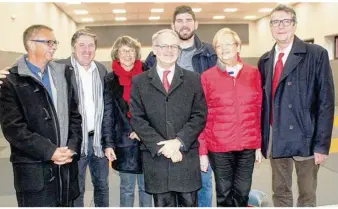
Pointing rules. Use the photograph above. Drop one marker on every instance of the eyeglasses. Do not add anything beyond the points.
(166, 47)
(125, 52)
(286, 22)
(50, 43)
(223, 46)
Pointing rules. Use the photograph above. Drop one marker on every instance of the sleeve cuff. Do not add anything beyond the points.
(182, 147)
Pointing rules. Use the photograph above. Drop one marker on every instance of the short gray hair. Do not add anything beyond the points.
(83, 32)
(32, 31)
(289, 10)
(158, 33)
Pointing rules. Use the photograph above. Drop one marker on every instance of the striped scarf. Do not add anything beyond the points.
(98, 100)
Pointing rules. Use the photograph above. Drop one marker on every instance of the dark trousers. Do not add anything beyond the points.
(176, 199)
(233, 176)
(99, 174)
(282, 182)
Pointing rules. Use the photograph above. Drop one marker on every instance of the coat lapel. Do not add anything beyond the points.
(293, 59)
(176, 82)
(268, 70)
(58, 75)
(68, 62)
(291, 63)
(155, 80)
(102, 72)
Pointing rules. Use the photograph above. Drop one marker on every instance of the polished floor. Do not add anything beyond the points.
(327, 191)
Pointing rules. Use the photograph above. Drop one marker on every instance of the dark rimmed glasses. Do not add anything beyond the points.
(285, 22)
(166, 47)
(50, 43)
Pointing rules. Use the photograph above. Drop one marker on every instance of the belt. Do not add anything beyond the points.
(91, 133)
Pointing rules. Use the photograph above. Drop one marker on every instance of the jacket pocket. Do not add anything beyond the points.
(28, 177)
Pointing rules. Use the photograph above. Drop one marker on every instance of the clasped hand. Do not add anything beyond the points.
(171, 149)
(62, 155)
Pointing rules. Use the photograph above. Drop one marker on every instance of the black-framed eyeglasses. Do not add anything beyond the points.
(285, 22)
(166, 47)
(50, 43)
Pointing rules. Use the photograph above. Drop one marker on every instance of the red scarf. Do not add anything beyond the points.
(126, 76)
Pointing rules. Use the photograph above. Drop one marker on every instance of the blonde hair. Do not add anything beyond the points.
(125, 41)
(223, 32)
(158, 33)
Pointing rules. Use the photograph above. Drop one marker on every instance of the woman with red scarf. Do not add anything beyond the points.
(121, 144)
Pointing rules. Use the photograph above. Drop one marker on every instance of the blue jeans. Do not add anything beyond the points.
(205, 193)
(127, 188)
(99, 170)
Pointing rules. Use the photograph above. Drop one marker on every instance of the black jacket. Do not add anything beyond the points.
(158, 116)
(29, 123)
(116, 128)
(303, 107)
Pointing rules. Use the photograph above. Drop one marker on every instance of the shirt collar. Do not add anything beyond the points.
(82, 69)
(161, 70)
(286, 51)
(33, 68)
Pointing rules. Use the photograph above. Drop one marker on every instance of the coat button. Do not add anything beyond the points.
(290, 105)
(289, 83)
(291, 127)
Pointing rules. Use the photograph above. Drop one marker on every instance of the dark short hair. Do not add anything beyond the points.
(32, 31)
(289, 10)
(183, 9)
(83, 32)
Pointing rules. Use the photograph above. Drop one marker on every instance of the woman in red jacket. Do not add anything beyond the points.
(231, 138)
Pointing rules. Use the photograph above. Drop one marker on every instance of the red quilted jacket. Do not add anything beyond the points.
(234, 110)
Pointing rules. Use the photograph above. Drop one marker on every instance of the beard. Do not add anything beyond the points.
(185, 36)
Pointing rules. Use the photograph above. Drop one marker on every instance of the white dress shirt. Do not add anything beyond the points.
(86, 77)
(286, 52)
(170, 75)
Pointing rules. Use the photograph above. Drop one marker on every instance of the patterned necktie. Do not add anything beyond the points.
(276, 76)
(165, 81)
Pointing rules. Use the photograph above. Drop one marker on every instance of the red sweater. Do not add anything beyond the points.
(234, 110)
